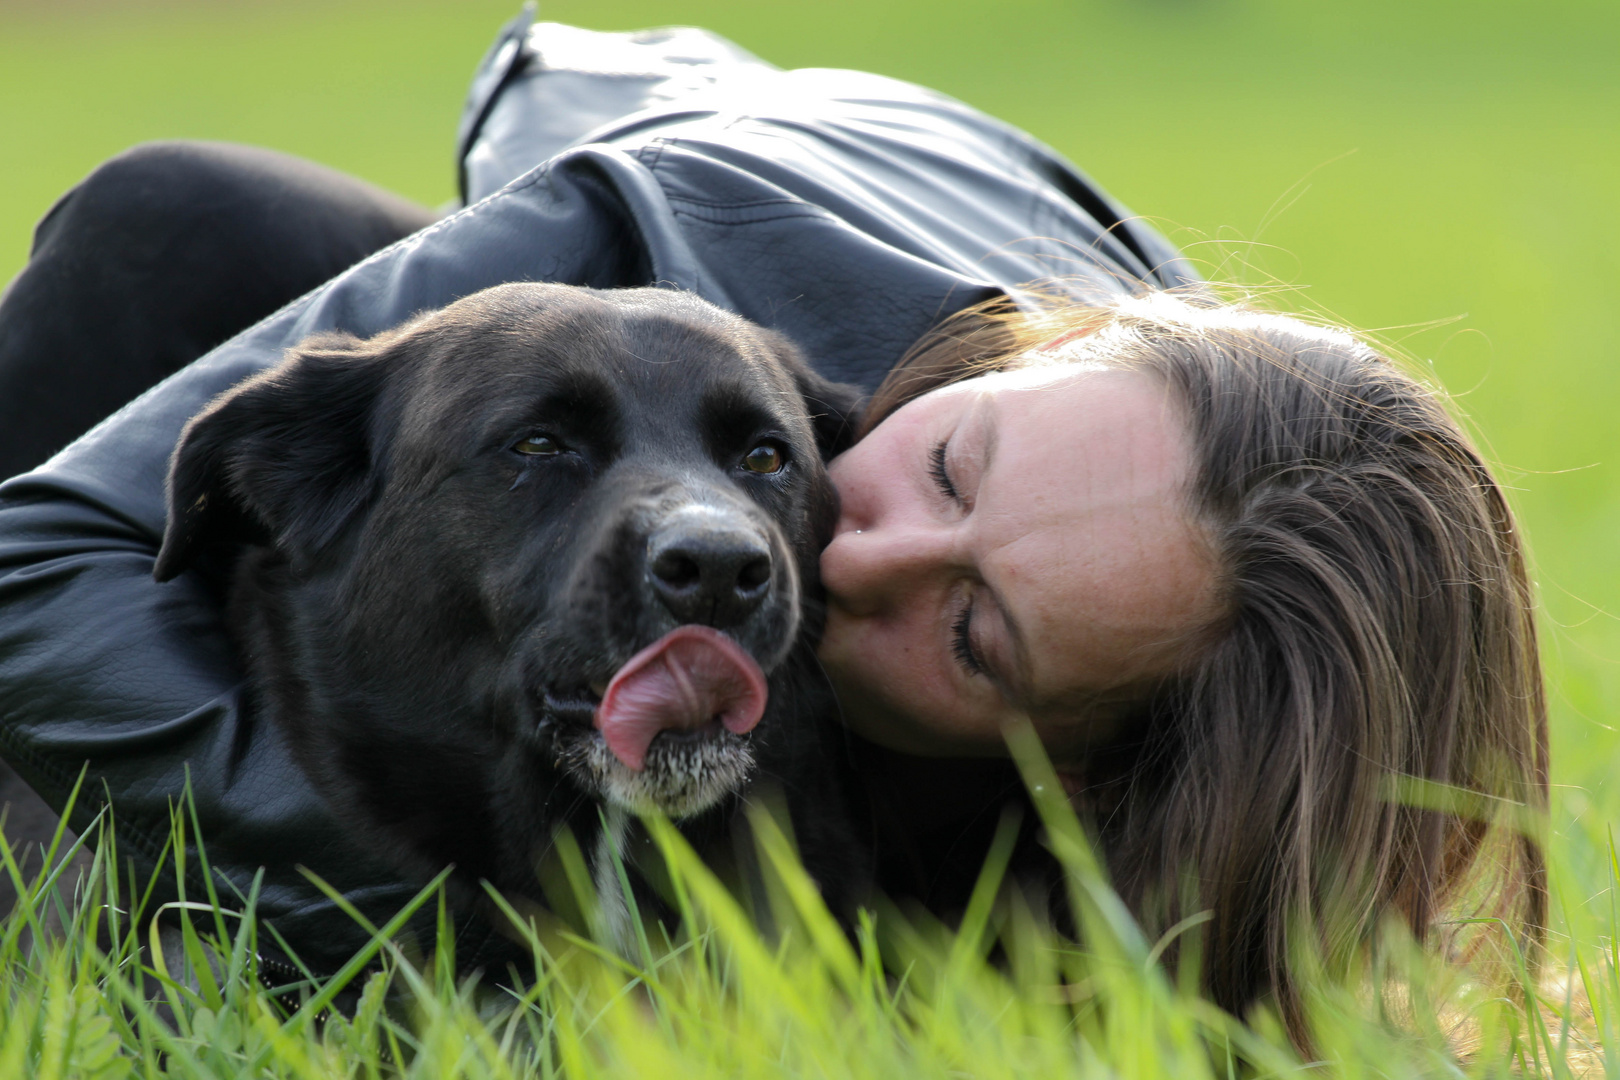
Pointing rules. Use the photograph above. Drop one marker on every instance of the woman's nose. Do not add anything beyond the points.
(866, 571)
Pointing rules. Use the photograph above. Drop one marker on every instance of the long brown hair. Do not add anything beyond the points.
(1332, 748)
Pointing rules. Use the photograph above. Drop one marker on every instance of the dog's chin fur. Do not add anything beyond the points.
(680, 779)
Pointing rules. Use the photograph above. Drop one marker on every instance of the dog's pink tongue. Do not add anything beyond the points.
(685, 679)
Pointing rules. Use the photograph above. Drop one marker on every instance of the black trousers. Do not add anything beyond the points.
(157, 256)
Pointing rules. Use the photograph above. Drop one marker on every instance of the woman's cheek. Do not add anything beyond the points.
(901, 667)
(845, 650)
(856, 651)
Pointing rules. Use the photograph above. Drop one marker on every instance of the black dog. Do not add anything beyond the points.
(539, 553)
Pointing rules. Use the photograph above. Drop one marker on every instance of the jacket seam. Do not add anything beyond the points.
(718, 219)
(739, 203)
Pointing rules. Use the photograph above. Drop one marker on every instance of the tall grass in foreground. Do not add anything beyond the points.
(96, 984)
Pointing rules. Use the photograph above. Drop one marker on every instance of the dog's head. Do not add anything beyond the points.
(545, 517)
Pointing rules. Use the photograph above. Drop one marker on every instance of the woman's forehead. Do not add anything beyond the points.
(1103, 425)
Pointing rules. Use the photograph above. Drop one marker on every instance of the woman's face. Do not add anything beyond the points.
(1012, 545)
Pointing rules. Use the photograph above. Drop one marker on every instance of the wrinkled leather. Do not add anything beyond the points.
(848, 210)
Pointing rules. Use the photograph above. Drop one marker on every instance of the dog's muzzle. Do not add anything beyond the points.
(715, 606)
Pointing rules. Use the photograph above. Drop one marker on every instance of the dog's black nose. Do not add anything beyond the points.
(709, 573)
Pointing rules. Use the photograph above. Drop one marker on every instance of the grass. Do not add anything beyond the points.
(94, 988)
(1442, 173)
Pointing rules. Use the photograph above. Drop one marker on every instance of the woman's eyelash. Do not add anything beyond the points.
(936, 469)
(962, 642)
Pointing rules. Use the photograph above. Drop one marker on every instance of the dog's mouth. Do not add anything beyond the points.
(573, 705)
(669, 729)
(691, 679)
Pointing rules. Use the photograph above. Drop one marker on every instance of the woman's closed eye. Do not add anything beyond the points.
(941, 477)
(962, 641)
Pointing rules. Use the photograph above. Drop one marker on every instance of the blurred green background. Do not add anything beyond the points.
(1439, 171)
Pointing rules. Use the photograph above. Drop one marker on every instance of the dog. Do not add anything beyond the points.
(545, 558)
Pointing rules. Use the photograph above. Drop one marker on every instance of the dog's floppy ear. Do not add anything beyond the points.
(834, 407)
(284, 456)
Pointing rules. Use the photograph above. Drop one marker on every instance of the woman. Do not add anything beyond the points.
(1243, 577)
(1282, 599)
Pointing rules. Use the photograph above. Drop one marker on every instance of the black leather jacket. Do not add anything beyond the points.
(848, 210)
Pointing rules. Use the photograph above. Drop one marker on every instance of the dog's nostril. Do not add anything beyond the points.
(677, 569)
(755, 574)
(718, 577)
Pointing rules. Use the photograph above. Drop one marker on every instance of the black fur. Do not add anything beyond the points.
(423, 609)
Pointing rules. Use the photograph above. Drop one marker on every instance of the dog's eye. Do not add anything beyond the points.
(538, 445)
(764, 458)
